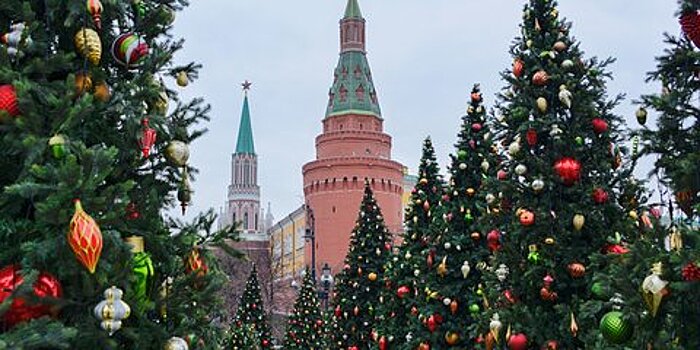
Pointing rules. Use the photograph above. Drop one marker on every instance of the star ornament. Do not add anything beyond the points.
(246, 85)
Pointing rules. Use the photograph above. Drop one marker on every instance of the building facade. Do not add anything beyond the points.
(353, 148)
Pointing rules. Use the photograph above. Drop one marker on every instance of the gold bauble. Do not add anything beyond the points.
(83, 83)
(88, 43)
(182, 79)
(102, 92)
(542, 104)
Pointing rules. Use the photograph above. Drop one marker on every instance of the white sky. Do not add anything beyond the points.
(424, 55)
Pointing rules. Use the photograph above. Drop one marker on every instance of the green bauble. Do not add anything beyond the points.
(462, 154)
(614, 328)
(598, 291)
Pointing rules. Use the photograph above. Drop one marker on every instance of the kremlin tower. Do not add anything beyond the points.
(352, 149)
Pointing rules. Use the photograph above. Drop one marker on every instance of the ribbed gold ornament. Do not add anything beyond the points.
(88, 43)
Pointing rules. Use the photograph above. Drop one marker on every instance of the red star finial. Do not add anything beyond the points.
(246, 85)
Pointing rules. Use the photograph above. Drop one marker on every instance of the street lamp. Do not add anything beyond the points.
(311, 236)
(326, 282)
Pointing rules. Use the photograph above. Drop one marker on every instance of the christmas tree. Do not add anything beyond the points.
(406, 271)
(306, 328)
(652, 289)
(251, 312)
(561, 189)
(452, 292)
(359, 284)
(94, 152)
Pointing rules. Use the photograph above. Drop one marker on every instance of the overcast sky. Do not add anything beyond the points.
(424, 55)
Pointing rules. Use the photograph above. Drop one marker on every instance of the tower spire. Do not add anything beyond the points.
(352, 10)
(245, 130)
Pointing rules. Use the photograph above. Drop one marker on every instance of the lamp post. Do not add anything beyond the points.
(311, 236)
(326, 282)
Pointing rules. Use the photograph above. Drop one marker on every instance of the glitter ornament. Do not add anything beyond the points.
(85, 238)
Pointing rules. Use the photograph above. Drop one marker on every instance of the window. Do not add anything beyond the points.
(256, 221)
(245, 221)
(334, 209)
(234, 218)
(246, 172)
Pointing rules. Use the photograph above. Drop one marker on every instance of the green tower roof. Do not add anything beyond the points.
(245, 131)
(353, 89)
(352, 10)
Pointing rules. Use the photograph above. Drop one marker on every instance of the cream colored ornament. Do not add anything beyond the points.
(88, 43)
(465, 269)
(485, 166)
(654, 288)
(182, 79)
(502, 272)
(542, 104)
(675, 239)
(176, 343)
(538, 185)
(112, 310)
(514, 148)
(578, 222)
(495, 326)
(567, 64)
(490, 198)
(520, 169)
(565, 96)
(177, 153)
(556, 131)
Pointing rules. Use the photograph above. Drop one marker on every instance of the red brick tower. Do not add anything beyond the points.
(352, 148)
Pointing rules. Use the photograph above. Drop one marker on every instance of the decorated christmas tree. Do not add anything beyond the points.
(251, 313)
(359, 284)
(452, 291)
(406, 271)
(653, 289)
(561, 190)
(306, 327)
(94, 152)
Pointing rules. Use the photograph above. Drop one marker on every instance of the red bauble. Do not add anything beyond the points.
(531, 137)
(46, 286)
(551, 345)
(690, 23)
(568, 169)
(337, 311)
(402, 291)
(502, 174)
(527, 218)
(383, 343)
(518, 67)
(8, 100)
(517, 342)
(599, 125)
(600, 196)
(494, 240)
(508, 294)
(147, 139)
(476, 127)
(540, 78)
(616, 249)
(265, 343)
(132, 212)
(353, 348)
(576, 270)
(431, 323)
(691, 272)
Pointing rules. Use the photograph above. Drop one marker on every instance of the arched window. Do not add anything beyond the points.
(256, 222)
(246, 172)
(245, 221)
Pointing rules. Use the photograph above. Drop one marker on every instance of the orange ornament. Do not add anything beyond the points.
(576, 270)
(527, 218)
(451, 338)
(85, 238)
(424, 346)
(518, 67)
(454, 306)
(372, 276)
(540, 78)
(195, 262)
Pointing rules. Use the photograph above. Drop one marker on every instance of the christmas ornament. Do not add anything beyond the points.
(518, 67)
(641, 115)
(495, 327)
(565, 96)
(502, 272)
(559, 46)
(454, 306)
(431, 323)
(476, 127)
(527, 218)
(615, 328)
(600, 196)
(493, 240)
(195, 263)
(94, 8)
(654, 288)
(691, 272)
(685, 202)
(184, 192)
(424, 346)
(442, 268)
(176, 343)
(546, 292)
(616, 249)
(83, 83)
(383, 343)
(540, 78)
(112, 310)
(102, 92)
(8, 100)
(568, 170)
(542, 104)
(531, 137)
(576, 270)
(474, 308)
(372, 276)
(533, 255)
(451, 338)
(89, 45)
(129, 50)
(520, 169)
(538, 185)
(690, 24)
(514, 148)
(85, 238)
(599, 125)
(57, 145)
(142, 267)
(465, 269)
(46, 286)
(182, 79)
(517, 342)
(147, 139)
(573, 326)
(567, 64)
(578, 222)
(15, 38)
